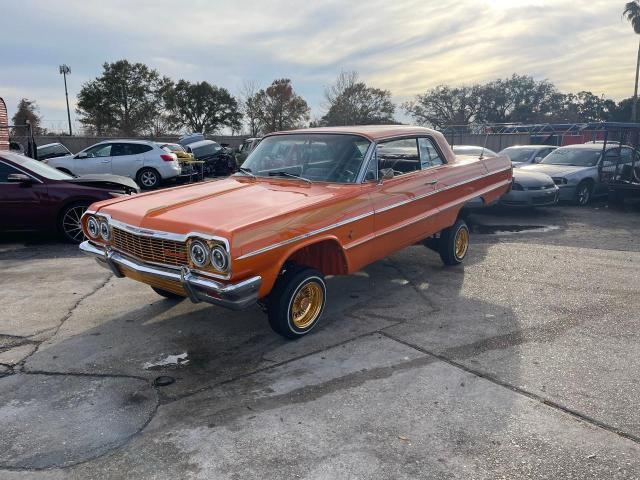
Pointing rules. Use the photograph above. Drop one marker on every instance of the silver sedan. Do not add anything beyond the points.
(530, 189)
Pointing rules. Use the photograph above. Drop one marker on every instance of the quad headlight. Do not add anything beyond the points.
(105, 230)
(209, 256)
(219, 258)
(199, 253)
(93, 227)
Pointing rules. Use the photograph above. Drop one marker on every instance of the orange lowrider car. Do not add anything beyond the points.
(306, 204)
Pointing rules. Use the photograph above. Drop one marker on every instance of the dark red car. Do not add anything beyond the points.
(35, 196)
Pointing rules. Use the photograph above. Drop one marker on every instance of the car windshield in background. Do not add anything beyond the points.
(518, 154)
(576, 157)
(316, 157)
(205, 150)
(41, 169)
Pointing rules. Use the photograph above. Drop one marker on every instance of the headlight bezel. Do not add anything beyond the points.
(105, 234)
(212, 267)
(204, 250)
(219, 252)
(93, 221)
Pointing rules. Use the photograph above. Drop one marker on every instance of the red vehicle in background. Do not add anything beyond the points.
(37, 197)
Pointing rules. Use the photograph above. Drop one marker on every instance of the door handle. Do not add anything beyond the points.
(105, 161)
(431, 182)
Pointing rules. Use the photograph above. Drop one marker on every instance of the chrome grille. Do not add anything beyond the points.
(149, 249)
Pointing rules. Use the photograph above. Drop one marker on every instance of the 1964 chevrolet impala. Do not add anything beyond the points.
(306, 204)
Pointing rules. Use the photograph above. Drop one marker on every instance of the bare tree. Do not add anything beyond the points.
(249, 106)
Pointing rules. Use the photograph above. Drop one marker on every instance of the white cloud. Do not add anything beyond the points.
(404, 46)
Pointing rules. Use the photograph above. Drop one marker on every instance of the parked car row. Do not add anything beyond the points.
(546, 174)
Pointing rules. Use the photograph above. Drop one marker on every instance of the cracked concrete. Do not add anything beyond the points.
(521, 364)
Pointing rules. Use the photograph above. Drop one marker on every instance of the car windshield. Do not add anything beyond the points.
(576, 157)
(315, 157)
(204, 150)
(174, 147)
(41, 169)
(518, 154)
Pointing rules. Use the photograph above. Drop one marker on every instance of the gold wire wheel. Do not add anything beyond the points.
(307, 305)
(462, 243)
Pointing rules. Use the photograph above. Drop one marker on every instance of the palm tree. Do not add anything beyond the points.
(632, 13)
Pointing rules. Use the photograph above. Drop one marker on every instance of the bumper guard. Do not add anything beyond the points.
(235, 296)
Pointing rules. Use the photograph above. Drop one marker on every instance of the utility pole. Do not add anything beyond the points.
(64, 70)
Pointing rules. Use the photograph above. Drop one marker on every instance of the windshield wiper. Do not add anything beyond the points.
(246, 171)
(288, 174)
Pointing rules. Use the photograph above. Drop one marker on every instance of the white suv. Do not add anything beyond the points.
(141, 160)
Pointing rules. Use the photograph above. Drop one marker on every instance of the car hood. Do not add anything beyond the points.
(55, 160)
(531, 179)
(106, 181)
(223, 207)
(553, 170)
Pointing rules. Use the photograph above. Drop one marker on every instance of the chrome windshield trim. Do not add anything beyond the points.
(360, 217)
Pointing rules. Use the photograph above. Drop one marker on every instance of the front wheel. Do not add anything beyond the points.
(297, 301)
(583, 194)
(69, 223)
(454, 243)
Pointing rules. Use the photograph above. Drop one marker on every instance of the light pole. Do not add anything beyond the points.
(64, 70)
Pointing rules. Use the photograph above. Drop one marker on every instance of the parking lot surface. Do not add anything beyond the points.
(523, 363)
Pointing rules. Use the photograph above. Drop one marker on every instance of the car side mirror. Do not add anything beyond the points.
(20, 178)
(385, 174)
(82, 155)
(537, 159)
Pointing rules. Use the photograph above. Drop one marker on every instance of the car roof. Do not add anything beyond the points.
(372, 132)
(124, 140)
(14, 157)
(50, 145)
(588, 146)
(201, 143)
(532, 146)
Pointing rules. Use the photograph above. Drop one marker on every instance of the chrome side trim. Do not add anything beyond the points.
(360, 217)
(235, 296)
(304, 235)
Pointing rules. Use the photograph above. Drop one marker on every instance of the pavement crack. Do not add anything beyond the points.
(545, 401)
(54, 331)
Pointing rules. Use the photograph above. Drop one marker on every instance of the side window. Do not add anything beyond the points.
(5, 171)
(137, 148)
(400, 155)
(627, 156)
(99, 151)
(429, 156)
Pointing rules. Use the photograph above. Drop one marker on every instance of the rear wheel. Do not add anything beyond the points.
(69, 222)
(582, 197)
(454, 243)
(296, 302)
(148, 178)
(167, 294)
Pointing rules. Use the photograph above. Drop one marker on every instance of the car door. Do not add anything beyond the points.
(23, 206)
(401, 204)
(96, 159)
(126, 159)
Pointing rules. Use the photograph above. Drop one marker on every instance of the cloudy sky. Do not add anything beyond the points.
(406, 46)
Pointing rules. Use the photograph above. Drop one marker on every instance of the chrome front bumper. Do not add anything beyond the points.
(235, 296)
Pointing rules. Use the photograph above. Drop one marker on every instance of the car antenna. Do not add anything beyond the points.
(486, 139)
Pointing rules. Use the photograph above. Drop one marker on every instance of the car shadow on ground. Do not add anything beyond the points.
(124, 329)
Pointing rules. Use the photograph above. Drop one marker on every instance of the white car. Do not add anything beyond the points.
(141, 160)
